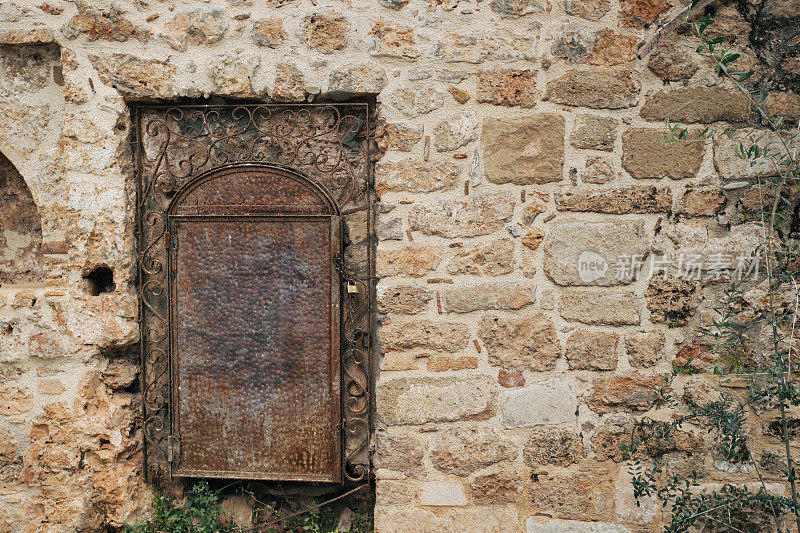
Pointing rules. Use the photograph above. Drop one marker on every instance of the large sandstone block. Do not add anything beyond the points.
(552, 446)
(135, 77)
(426, 334)
(356, 79)
(647, 153)
(412, 260)
(403, 299)
(545, 525)
(480, 214)
(442, 494)
(547, 402)
(585, 253)
(608, 308)
(490, 258)
(632, 393)
(201, 26)
(596, 89)
(422, 400)
(523, 151)
(584, 495)
(697, 105)
(634, 199)
(414, 176)
(592, 350)
(520, 343)
(466, 450)
(595, 133)
(507, 87)
(488, 296)
(645, 348)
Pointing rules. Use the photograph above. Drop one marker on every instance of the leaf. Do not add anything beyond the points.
(730, 57)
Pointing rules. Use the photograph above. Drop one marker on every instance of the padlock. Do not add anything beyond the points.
(352, 288)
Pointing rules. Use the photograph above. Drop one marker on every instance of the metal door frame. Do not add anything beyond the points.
(329, 144)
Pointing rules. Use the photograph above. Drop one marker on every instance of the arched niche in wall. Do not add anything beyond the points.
(20, 229)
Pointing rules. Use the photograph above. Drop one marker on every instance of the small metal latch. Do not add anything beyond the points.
(352, 287)
(172, 445)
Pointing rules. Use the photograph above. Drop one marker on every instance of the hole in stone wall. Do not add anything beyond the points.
(100, 280)
(20, 229)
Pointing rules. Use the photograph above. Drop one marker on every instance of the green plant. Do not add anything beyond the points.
(757, 343)
(200, 513)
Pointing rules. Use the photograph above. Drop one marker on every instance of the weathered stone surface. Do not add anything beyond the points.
(289, 84)
(507, 87)
(566, 242)
(594, 133)
(402, 137)
(390, 229)
(523, 151)
(592, 350)
(732, 167)
(552, 446)
(783, 104)
(533, 239)
(671, 61)
(415, 101)
(400, 453)
(645, 348)
(697, 104)
(440, 493)
(478, 214)
(411, 260)
(268, 32)
(421, 400)
(547, 402)
(612, 49)
(596, 89)
(461, 96)
(520, 343)
(20, 231)
(642, 13)
(135, 77)
(426, 334)
(393, 41)
(445, 363)
(15, 400)
(634, 199)
(414, 176)
(493, 519)
(516, 8)
(357, 79)
(455, 132)
(502, 487)
(588, 9)
(8, 446)
(37, 35)
(403, 299)
(233, 73)
(672, 300)
(598, 170)
(510, 378)
(633, 392)
(537, 525)
(103, 24)
(120, 374)
(585, 495)
(573, 42)
(464, 451)
(488, 296)
(616, 308)
(696, 356)
(490, 258)
(325, 33)
(702, 202)
(646, 153)
(201, 26)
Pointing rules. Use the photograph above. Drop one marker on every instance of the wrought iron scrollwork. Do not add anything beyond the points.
(328, 143)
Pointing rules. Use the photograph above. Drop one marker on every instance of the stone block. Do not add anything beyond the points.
(597, 89)
(399, 453)
(552, 446)
(193, 28)
(496, 488)
(642, 13)
(422, 400)
(644, 348)
(391, 40)
(478, 214)
(544, 525)
(587, 494)
(401, 137)
(587, 9)
(523, 151)
(607, 308)
(585, 253)
(268, 32)
(426, 334)
(455, 132)
(414, 176)
(325, 33)
(442, 494)
(647, 153)
(520, 343)
(633, 392)
(633, 199)
(592, 350)
(466, 450)
(356, 79)
(595, 133)
(507, 87)
(547, 402)
(415, 101)
(490, 296)
(702, 105)
(402, 299)
(491, 258)
(411, 260)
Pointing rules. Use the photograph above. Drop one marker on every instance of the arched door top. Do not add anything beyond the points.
(252, 189)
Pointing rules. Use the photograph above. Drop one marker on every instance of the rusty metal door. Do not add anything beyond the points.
(255, 327)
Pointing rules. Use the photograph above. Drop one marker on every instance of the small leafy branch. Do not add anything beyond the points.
(200, 513)
(759, 347)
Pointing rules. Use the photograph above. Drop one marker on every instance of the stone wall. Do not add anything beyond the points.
(523, 161)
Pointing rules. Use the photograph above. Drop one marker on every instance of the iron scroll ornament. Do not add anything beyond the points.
(174, 145)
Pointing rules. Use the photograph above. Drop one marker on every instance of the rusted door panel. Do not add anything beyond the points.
(255, 343)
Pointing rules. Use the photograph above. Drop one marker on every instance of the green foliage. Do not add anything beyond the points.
(758, 347)
(200, 513)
